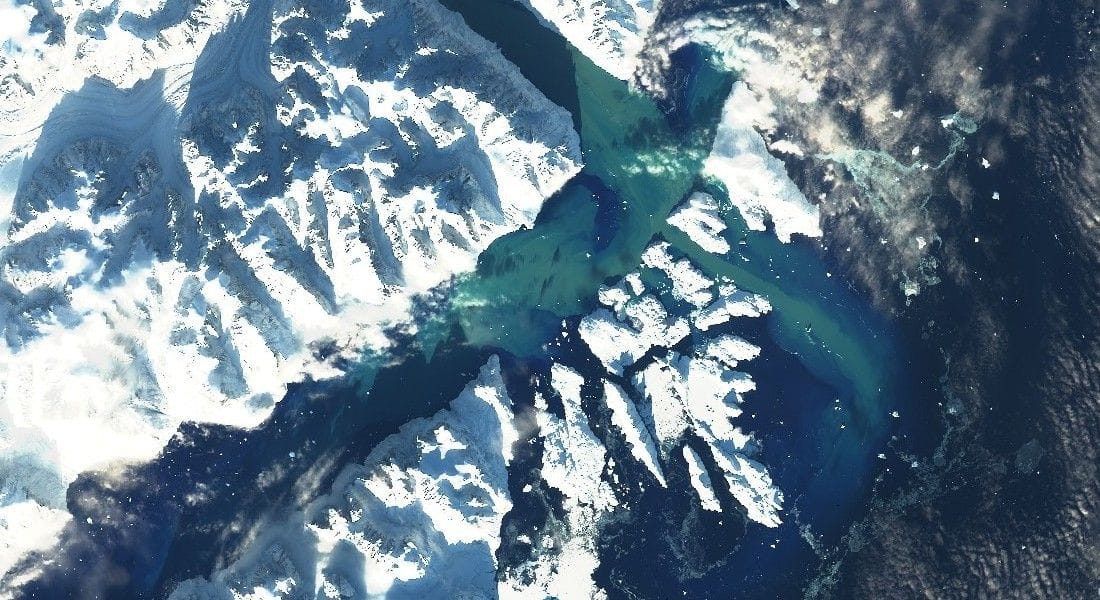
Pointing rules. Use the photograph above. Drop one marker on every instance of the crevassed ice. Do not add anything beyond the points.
(196, 198)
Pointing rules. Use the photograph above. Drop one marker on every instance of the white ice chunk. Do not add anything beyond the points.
(700, 481)
(188, 213)
(700, 219)
(625, 417)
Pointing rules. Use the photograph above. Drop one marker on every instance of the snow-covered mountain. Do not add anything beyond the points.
(611, 33)
(419, 518)
(425, 514)
(201, 201)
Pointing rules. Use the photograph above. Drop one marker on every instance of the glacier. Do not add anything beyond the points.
(203, 202)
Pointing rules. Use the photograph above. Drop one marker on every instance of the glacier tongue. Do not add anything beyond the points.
(195, 200)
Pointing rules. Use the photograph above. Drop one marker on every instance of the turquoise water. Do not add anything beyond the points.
(594, 230)
(636, 170)
(836, 374)
(828, 361)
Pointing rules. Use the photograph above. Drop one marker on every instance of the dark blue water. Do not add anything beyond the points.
(156, 537)
(826, 472)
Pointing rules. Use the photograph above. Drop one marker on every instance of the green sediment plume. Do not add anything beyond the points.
(594, 230)
(528, 280)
